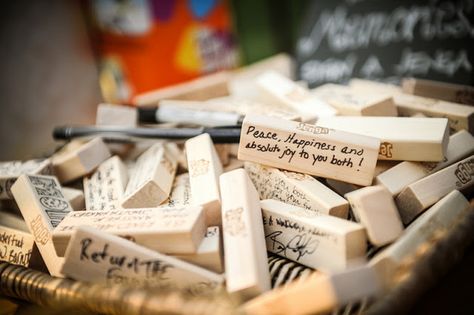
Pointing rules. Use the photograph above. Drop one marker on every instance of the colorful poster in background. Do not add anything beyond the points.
(148, 44)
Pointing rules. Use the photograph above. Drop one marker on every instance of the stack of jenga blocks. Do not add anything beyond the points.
(347, 181)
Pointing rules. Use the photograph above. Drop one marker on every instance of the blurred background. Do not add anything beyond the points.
(59, 59)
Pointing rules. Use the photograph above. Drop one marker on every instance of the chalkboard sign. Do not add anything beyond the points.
(386, 41)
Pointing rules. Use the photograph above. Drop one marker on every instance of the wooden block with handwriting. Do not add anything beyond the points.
(462, 94)
(375, 209)
(168, 230)
(280, 90)
(460, 145)
(204, 170)
(308, 149)
(43, 207)
(318, 294)
(296, 189)
(349, 102)
(180, 195)
(116, 115)
(150, 182)
(209, 252)
(314, 240)
(10, 171)
(402, 138)
(76, 160)
(246, 265)
(439, 218)
(75, 197)
(104, 189)
(200, 89)
(418, 196)
(460, 116)
(96, 256)
(16, 246)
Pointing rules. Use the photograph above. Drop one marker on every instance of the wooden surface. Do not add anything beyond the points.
(96, 256)
(168, 230)
(401, 138)
(296, 189)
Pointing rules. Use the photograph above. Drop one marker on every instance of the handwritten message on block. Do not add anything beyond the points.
(43, 207)
(96, 256)
(309, 149)
(180, 195)
(168, 230)
(104, 189)
(10, 171)
(317, 241)
(16, 246)
(296, 189)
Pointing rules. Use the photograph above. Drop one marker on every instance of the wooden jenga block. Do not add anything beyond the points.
(200, 89)
(75, 197)
(296, 189)
(180, 195)
(150, 182)
(96, 256)
(462, 94)
(280, 90)
(204, 170)
(242, 83)
(314, 240)
(459, 116)
(177, 153)
(209, 252)
(244, 241)
(104, 189)
(368, 86)
(349, 102)
(308, 149)
(418, 196)
(76, 160)
(16, 246)
(375, 209)
(116, 115)
(10, 171)
(437, 219)
(460, 145)
(318, 294)
(43, 207)
(401, 138)
(167, 230)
